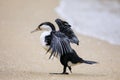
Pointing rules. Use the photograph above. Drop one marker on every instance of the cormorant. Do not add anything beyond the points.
(58, 44)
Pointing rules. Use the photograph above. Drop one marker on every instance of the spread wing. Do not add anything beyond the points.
(65, 28)
(60, 44)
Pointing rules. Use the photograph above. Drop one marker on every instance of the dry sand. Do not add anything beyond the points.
(22, 57)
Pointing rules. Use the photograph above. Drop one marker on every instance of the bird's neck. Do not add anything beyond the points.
(46, 33)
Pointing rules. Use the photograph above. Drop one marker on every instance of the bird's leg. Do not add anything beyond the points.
(64, 70)
(69, 67)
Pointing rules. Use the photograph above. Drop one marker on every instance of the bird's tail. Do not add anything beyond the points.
(90, 62)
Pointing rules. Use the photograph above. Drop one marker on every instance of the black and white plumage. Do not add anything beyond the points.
(60, 44)
(57, 43)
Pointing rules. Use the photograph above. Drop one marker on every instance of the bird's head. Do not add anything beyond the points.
(47, 27)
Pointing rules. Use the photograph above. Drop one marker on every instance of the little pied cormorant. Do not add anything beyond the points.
(58, 43)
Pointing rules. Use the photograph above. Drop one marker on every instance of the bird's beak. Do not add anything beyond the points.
(37, 29)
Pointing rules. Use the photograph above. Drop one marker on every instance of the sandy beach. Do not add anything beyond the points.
(23, 58)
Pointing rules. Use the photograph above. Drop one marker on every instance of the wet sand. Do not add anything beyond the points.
(23, 58)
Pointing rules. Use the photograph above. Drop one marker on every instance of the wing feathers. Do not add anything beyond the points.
(60, 44)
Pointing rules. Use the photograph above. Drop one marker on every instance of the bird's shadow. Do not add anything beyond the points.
(81, 74)
(58, 74)
(32, 73)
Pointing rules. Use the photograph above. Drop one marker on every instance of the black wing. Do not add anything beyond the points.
(60, 44)
(65, 28)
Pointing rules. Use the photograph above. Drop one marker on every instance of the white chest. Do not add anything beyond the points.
(42, 39)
